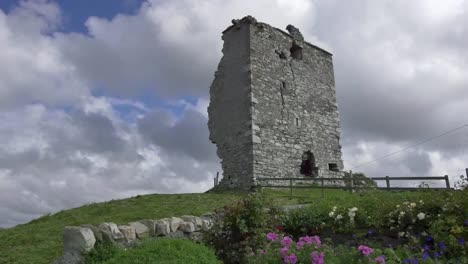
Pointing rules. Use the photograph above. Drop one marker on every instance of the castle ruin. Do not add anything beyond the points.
(273, 110)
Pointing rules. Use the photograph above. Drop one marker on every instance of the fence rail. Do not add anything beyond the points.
(349, 180)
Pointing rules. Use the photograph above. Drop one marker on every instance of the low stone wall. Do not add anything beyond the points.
(78, 240)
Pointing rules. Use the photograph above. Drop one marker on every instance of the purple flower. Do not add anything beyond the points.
(437, 254)
(272, 236)
(365, 250)
(380, 260)
(290, 259)
(300, 245)
(442, 245)
(407, 261)
(426, 247)
(466, 222)
(284, 250)
(425, 255)
(429, 238)
(286, 241)
(461, 241)
(318, 258)
(415, 261)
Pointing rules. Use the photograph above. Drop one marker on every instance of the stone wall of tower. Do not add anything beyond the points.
(296, 110)
(272, 100)
(229, 110)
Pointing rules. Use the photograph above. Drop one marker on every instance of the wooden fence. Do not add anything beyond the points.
(349, 182)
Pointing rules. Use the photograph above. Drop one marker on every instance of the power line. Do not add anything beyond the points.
(411, 146)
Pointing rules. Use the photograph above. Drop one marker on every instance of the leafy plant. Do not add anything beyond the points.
(239, 229)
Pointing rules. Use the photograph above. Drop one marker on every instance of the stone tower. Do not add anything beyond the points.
(273, 110)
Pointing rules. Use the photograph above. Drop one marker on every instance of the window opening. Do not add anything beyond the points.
(296, 52)
(308, 167)
(333, 166)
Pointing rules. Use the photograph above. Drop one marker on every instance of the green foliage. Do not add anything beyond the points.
(239, 229)
(361, 180)
(164, 251)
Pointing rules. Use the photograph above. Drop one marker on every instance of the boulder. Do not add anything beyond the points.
(128, 232)
(197, 221)
(187, 227)
(113, 229)
(206, 224)
(141, 230)
(78, 239)
(174, 223)
(97, 233)
(162, 228)
(151, 224)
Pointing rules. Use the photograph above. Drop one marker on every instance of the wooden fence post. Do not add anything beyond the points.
(322, 186)
(466, 171)
(387, 179)
(350, 181)
(290, 187)
(447, 183)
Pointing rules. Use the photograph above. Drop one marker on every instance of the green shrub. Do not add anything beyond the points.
(239, 230)
(163, 251)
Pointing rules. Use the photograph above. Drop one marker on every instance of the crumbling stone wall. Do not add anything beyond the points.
(273, 110)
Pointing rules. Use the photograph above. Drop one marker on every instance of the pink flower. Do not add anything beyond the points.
(290, 259)
(286, 241)
(284, 251)
(318, 259)
(380, 260)
(300, 245)
(311, 240)
(365, 250)
(272, 236)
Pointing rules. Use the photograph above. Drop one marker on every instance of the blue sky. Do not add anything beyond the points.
(75, 13)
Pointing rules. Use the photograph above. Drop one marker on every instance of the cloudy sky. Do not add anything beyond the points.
(107, 99)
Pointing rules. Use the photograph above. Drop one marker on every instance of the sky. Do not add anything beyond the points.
(107, 99)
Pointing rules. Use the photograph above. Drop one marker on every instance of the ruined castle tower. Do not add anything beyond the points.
(273, 110)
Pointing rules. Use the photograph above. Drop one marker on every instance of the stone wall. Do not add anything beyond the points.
(273, 110)
(78, 240)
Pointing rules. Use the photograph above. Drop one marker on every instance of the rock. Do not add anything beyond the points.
(206, 224)
(177, 234)
(113, 229)
(78, 239)
(97, 233)
(196, 236)
(151, 224)
(174, 223)
(197, 221)
(141, 230)
(128, 232)
(162, 228)
(187, 227)
(70, 257)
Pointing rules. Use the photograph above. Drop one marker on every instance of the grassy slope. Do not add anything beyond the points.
(40, 241)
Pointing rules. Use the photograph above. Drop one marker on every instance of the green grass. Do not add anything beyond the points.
(40, 241)
(163, 251)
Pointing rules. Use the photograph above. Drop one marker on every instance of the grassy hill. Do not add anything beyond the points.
(40, 241)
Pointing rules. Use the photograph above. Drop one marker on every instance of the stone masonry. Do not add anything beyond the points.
(273, 110)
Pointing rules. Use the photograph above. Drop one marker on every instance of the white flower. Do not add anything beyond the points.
(331, 214)
(423, 233)
(338, 217)
(397, 206)
(401, 234)
(354, 209)
(402, 213)
(421, 216)
(413, 205)
(421, 201)
(334, 208)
